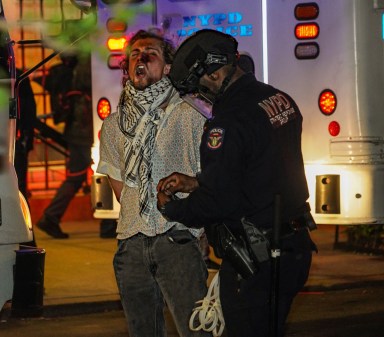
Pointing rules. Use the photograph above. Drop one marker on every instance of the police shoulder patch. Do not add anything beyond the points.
(215, 138)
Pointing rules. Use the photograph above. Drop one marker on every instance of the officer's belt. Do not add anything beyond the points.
(288, 228)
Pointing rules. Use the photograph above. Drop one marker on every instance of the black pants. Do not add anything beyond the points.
(246, 303)
(77, 165)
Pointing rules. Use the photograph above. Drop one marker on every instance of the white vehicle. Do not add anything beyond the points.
(328, 55)
(15, 220)
(335, 72)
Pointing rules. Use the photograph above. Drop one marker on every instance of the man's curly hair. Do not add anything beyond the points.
(166, 45)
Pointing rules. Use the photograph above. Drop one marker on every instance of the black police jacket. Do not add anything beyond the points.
(250, 151)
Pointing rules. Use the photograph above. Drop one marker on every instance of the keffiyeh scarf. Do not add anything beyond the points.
(140, 113)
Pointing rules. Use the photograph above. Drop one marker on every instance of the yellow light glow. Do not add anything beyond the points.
(327, 102)
(116, 44)
(307, 31)
(103, 108)
(25, 211)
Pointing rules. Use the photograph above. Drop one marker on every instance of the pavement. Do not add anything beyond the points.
(78, 271)
(78, 275)
(79, 279)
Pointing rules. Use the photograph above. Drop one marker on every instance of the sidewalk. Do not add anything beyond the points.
(79, 274)
(78, 270)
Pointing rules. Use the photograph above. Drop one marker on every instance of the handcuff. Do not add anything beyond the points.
(162, 208)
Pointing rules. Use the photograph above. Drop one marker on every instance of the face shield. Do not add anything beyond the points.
(203, 53)
(196, 95)
(200, 103)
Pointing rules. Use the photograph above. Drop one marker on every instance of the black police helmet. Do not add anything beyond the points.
(202, 53)
(246, 63)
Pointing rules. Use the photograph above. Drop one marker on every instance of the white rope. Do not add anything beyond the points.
(208, 315)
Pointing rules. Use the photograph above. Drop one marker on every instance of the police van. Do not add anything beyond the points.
(328, 55)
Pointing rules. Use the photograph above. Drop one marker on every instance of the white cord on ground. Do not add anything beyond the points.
(208, 315)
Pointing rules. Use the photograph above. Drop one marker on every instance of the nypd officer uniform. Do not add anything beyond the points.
(250, 152)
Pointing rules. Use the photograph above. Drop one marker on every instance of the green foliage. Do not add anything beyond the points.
(366, 238)
(82, 36)
(66, 29)
(4, 99)
(75, 37)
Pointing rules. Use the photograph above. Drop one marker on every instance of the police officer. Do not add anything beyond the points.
(250, 152)
(69, 86)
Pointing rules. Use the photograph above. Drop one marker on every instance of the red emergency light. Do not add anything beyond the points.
(116, 26)
(304, 31)
(327, 102)
(334, 128)
(306, 11)
(117, 43)
(103, 108)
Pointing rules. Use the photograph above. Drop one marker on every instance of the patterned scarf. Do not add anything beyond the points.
(140, 113)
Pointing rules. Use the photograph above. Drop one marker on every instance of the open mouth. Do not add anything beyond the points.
(140, 70)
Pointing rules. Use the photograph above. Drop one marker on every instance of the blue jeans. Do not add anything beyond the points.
(152, 272)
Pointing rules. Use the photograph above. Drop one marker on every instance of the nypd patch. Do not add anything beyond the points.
(215, 138)
(278, 109)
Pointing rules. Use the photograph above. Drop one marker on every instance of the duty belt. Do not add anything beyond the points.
(303, 222)
(258, 239)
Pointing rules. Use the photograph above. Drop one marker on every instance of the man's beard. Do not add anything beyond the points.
(143, 83)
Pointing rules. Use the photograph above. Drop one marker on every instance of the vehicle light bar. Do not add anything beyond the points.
(116, 43)
(307, 31)
(308, 50)
(114, 61)
(116, 26)
(103, 108)
(334, 128)
(327, 102)
(307, 11)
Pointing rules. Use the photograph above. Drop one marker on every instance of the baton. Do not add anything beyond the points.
(275, 268)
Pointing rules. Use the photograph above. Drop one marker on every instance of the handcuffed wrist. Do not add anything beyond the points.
(162, 209)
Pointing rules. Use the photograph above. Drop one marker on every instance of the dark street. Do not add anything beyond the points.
(344, 295)
(355, 312)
